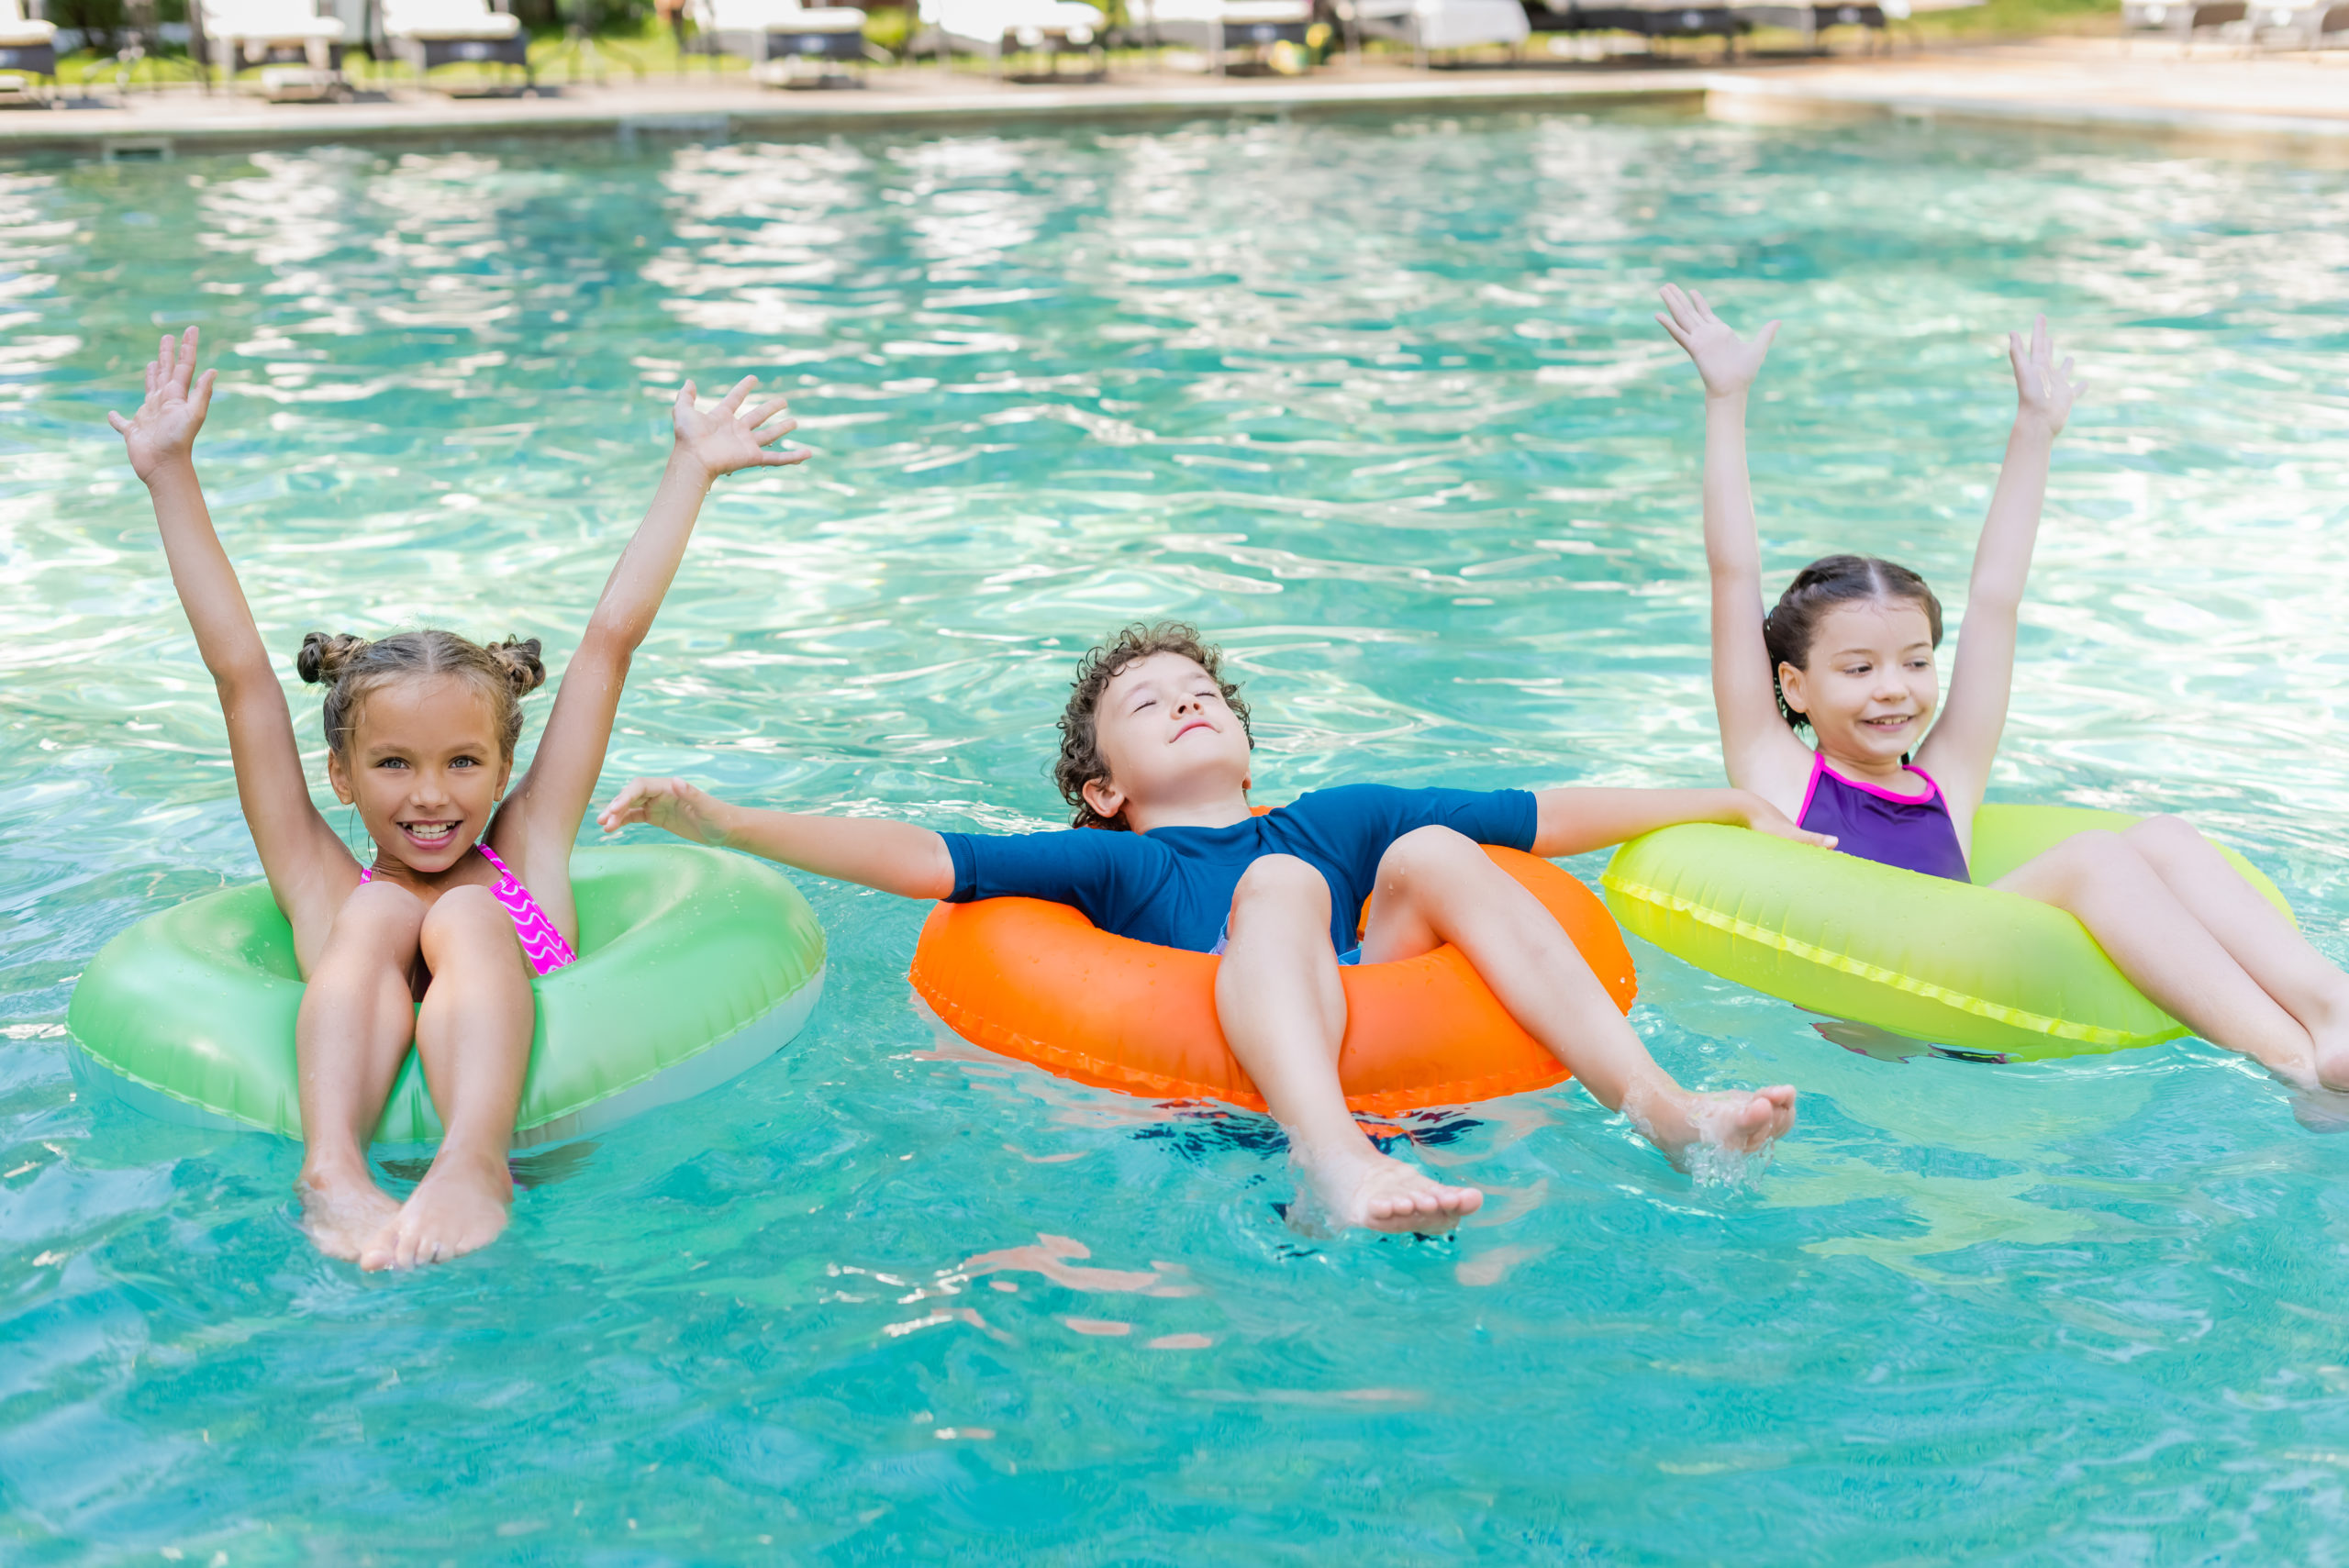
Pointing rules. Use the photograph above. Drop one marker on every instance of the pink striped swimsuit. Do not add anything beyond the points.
(543, 944)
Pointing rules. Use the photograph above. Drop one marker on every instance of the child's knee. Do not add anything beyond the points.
(1425, 852)
(465, 922)
(1284, 880)
(2165, 833)
(379, 916)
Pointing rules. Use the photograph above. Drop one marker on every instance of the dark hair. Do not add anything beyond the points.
(1080, 762)
(1830, 581)
(350, 667)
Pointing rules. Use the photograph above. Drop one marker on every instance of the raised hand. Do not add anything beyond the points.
(672, 804)
(163, 429)
(1764, 818)
(1727, 363)
(2044, 389)
(723, 438)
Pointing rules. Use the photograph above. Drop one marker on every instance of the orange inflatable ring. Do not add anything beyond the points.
(1040, 981)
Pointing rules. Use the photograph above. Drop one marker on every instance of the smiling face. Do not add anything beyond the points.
(424, 767)
(1170, 740)
(1869, 685)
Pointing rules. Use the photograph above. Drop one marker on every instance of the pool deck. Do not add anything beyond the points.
(2270, 105)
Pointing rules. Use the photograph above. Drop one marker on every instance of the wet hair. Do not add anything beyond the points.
(351, 667)
(1080, 762)
(1831, 580)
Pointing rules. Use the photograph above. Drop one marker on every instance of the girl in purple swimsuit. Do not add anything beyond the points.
(469, 892)
(1848, 654)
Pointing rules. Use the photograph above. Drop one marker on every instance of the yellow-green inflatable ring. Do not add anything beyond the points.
(693, 966)
(1962, 966)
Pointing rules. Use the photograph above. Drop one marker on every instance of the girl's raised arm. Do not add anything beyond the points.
(537, 827)
(1759, 748)
(1966, 738)
(309, 870)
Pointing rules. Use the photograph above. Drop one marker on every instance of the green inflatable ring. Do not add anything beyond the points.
(1968, 967)
(693, 966)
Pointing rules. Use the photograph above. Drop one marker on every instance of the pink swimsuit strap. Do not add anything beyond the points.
(542, 943)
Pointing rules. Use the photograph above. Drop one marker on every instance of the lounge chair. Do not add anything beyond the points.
(1217, 27)
(2288, 25)
(1430, 25)
(2180, 19)
(783, 40)
(998, 28)
(299, 52)
(1651, 19)
(430, 34)
(27, 47)
(1811, 17)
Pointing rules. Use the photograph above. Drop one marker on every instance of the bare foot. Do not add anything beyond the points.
(2329, 1033)
(459, 1207)
(1695, 1129)
(1375, 1192)
(340, 1209)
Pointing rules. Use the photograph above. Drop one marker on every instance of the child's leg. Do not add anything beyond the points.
(2162, 946)
(2269, 948)
(1436, 887)
(1284, 1014)
(351, 1034)
(474, 1036)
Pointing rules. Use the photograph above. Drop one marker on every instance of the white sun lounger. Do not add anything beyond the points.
(1811, 17)
(2181, 19)
(1430, 25)
(2290, 26)
(1215, 28)
(300, 51)
(782, 38)
(1651, 19)
(998, 27)
(28, 47)
(430, 34)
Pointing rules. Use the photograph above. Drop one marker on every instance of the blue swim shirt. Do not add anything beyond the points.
(1174, 886)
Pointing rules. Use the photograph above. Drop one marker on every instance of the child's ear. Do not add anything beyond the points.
(1106, 798)
(336, 779)
(1790, 687)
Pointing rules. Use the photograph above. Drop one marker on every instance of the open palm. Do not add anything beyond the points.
(177, 399)
(1727, 363)
(2044, 389)
(724, 438)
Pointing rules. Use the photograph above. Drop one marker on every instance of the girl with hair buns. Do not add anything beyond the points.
(1847, 653)
(469, 889)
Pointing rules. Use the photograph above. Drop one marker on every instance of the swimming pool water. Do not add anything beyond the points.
(1379, 403)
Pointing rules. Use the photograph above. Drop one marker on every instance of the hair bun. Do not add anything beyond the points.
(323, 658)
(520, 658)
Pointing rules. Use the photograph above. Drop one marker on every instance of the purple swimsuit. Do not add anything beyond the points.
(1914, 832)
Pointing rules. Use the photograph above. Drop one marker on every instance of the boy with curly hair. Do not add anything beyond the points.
(1155, 761)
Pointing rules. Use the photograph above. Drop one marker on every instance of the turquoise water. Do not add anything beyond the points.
(1381, 405)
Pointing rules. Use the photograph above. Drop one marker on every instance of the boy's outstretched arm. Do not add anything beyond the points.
(708, 445)
(308, 869)
(1966, 738)
(895, 857)
(1760, 751)
(1574, 821)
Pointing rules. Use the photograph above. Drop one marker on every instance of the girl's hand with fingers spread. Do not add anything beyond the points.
(163, 429)
(1727, 363)
(672, 804)
(725, 439)
(1764, 818)
(2044, 389)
